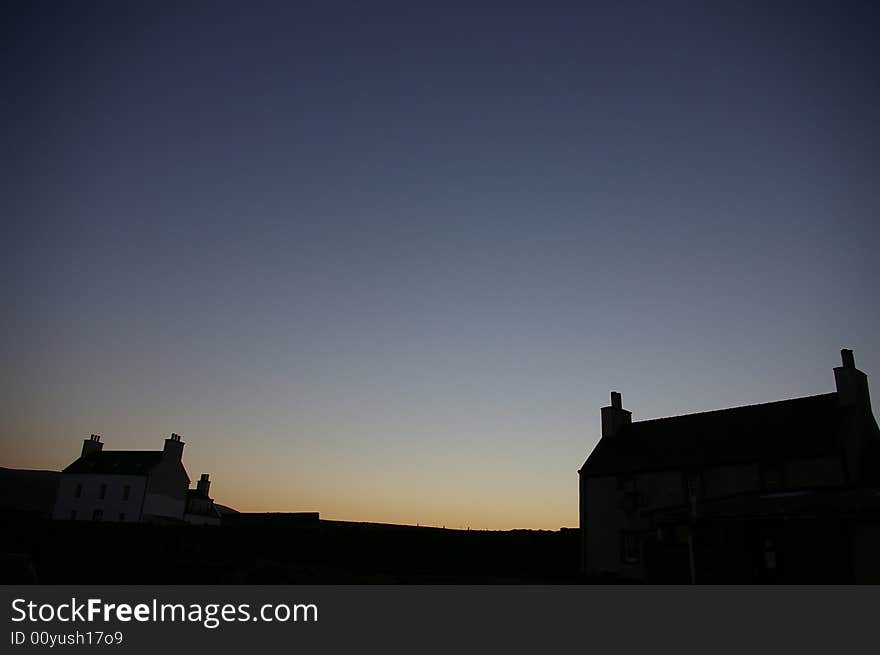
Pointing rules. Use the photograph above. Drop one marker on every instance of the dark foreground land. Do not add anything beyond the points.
(37, 549)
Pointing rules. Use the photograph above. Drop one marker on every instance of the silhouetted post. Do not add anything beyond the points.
(691, 542)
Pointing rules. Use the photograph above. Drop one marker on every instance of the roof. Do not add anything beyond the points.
(800, 427)
(116, 462)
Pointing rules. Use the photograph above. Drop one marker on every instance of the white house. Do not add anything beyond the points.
(124, 485)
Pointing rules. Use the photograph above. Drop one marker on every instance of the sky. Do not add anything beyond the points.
(386, 260)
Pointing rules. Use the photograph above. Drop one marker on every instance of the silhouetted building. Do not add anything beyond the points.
(785, 491)
(200, 508)
(124, 485)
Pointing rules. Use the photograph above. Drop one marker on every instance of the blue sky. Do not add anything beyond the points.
(386, 261)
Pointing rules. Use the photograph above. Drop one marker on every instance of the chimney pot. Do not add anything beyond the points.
(616, 400)
(91, 445)
(847, 358)
(174, 446)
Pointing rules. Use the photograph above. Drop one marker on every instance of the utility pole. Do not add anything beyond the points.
(691, 545)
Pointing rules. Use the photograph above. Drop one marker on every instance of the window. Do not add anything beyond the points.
(126, 492)
(121, 516)
(73, 515)
(630, 548)
(769, 555)
(78, 491)
(103, 493)
(98, 515)
(694, 484)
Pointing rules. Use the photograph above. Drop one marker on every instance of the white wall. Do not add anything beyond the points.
(166, 490)
(163, 505)
(112, 504)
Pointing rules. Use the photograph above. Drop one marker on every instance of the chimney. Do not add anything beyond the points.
(92, 445)
(615, 416)
(173, 447)
(203, 484)
(852, 384)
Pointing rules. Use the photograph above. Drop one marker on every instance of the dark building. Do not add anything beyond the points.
(200, 508)
(786, 491)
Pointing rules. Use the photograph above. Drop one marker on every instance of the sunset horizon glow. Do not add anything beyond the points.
(386, 262)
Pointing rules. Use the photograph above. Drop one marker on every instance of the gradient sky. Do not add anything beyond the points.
(386, 260)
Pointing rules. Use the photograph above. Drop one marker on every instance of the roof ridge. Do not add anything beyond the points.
(101, 453)
(732, 409)
(116, 461)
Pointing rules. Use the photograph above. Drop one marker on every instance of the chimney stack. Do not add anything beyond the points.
(173, 447)
(852, 384)
(203, 484)
(614, 417)
(92, 445)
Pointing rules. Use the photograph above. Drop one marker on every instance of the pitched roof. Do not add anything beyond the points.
(800, 427)
(116, 462)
